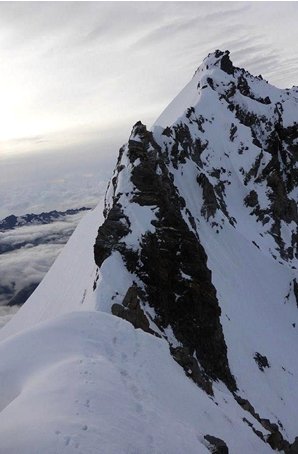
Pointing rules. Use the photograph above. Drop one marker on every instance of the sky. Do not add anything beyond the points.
(76, 76)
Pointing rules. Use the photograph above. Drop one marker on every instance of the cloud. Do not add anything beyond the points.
(229, 13)
(35, 249)
(71, 64)
(6, 313)
(23, 267)
(161, 33)
(189, 21)
(57, 180)
(44, 233)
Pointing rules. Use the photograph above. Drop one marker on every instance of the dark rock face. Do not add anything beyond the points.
(218, 446)
(295, 284)
(191, 367)
(251, 200)
(22, 296)
(188, 305)
(276, 441)
(275, 438)
(293, 449)
(131, 311)
(261, 361)
(115, 227)
(170, 262)
(225, 63)
(210, 201)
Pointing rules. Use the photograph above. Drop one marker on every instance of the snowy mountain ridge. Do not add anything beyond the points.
(198, 251)
(13, 222)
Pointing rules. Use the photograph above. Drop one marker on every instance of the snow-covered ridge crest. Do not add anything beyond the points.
(240, 129)
(218, 68)
(218, 59)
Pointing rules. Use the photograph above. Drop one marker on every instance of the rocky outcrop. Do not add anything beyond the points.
(275, 438)
(216, 445)
(295, 285)
(131, 310)
(191, 367)
(261, 361)
(210, 201)
(293, 449)
(115, 227)
(170, 263)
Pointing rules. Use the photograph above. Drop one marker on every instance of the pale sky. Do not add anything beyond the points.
(75, 73)
(75, 77)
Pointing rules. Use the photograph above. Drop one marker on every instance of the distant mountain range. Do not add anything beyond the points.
(13, 222)
(22, 233)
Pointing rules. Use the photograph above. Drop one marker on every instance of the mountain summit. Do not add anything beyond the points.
(186, 328)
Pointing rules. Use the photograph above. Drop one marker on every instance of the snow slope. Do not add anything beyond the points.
(107, 390)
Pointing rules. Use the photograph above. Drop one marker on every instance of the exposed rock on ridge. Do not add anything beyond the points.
(258, 142)
(170, 262)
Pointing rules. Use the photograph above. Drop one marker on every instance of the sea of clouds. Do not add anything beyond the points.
(35, 183)
(33, 250)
